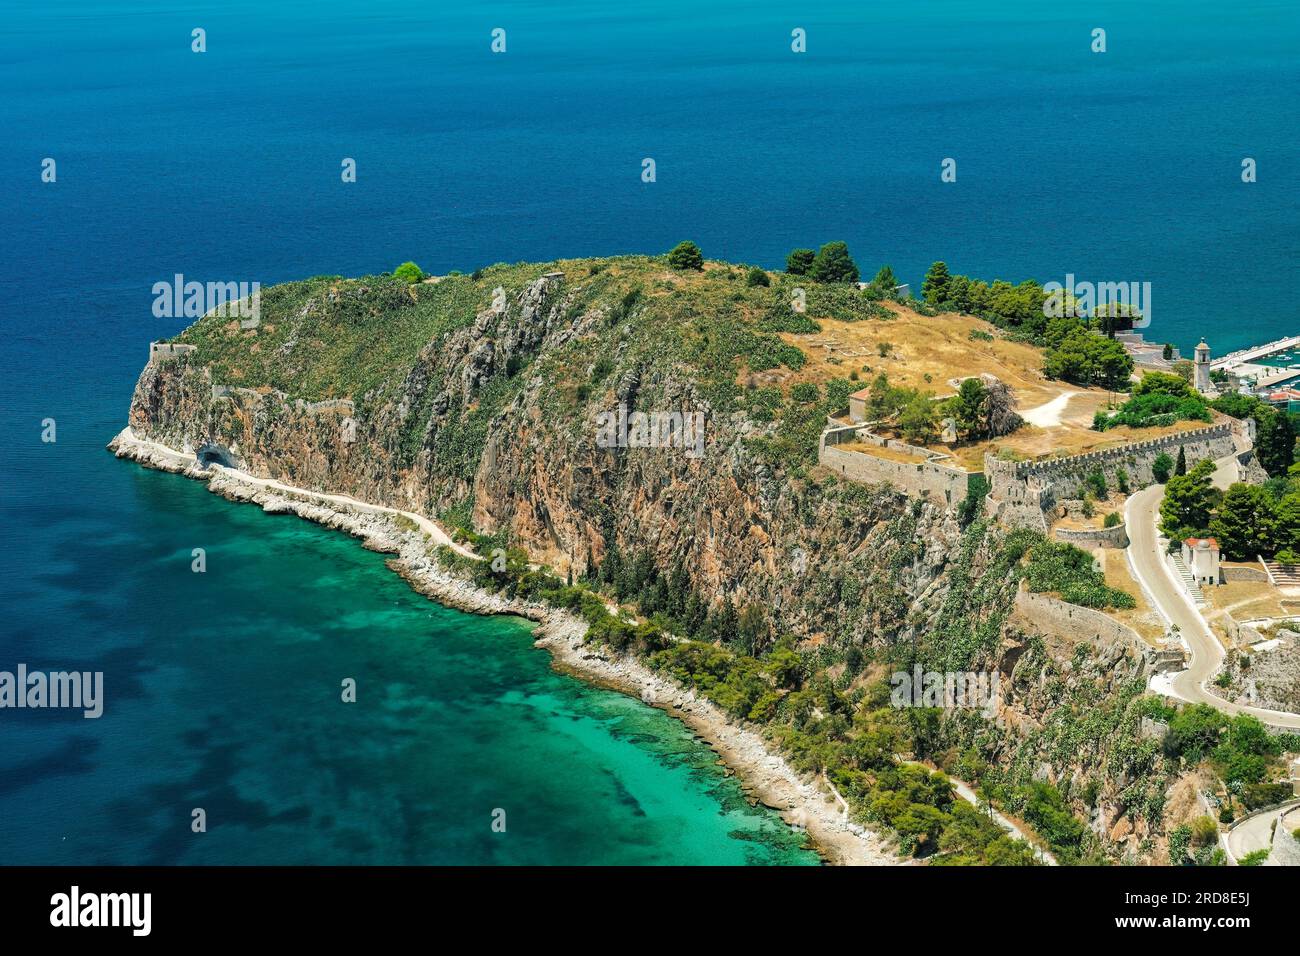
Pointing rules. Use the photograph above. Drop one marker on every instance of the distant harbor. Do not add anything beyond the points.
(1265, 370)
(1260, 368)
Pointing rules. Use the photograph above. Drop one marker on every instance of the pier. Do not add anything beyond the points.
(1243, 356)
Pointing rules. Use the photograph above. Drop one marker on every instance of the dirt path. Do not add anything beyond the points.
(1048, 415)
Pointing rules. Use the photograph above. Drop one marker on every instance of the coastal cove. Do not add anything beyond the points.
(761, 774)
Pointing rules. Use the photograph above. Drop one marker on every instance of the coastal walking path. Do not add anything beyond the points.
(764, 772)
(1151, 570)
(964, 790)
(431, 528)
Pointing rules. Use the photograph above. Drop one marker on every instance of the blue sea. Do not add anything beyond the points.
(222, 688)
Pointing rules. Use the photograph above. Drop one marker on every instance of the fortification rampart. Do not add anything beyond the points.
(1025, 493)
(1088, 538)
(163, 351)
(1073, 623)
(927, 476)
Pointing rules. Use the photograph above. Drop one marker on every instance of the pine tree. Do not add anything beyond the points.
(1243, 522)
(1189, 500)
(834, 264)
(1181, 467)
(885, 281)
(935, 287)
(1275, 441)
(686, 255)
(799, 261)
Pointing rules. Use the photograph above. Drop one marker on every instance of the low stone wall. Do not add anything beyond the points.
(1072, 623)
(1240, 573)
(1086, 538)
(940, 482)
(161, 351)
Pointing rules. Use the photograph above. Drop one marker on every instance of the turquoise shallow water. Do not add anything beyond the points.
(223, 692)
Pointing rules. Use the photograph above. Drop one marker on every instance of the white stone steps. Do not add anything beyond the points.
(1189, 581)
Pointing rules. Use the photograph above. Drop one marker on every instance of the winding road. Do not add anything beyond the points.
(1153, 573)
(1256, 832)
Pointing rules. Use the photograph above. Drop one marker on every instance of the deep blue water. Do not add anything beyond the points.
(225, 166)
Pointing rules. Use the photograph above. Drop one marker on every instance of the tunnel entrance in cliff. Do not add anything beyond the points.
(212, 453)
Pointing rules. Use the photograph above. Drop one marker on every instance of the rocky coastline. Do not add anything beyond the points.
(802, 802)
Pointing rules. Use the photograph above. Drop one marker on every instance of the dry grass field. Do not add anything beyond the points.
(933, 353)
(1144, 618)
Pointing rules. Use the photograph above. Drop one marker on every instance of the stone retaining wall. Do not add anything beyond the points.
(927, 477)
(1237, 573)
(1087, 538)
(1072, 623)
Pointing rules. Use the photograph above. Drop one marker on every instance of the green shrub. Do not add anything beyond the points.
(805, 393)
(409, 272)
(757, 277)
(1162, 467)
(1204, 831)
(1067, 570)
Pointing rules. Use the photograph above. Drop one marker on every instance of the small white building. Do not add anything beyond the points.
(1201, 555)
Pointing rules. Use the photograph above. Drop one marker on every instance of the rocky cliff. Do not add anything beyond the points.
(496, 419)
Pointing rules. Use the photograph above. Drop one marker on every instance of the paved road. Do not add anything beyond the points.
(1146, 558)
(1256, 833)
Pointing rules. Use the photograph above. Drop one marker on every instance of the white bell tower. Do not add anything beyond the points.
(1203, 383)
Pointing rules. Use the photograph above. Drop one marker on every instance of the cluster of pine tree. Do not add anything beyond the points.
(672, 598)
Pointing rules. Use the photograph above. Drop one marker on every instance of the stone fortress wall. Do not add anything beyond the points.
(1074, 623)
(1024, 493)
(1091, 538)
(928, 477)
(162, 351)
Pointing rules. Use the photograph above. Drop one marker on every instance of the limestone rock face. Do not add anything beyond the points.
(857, 565)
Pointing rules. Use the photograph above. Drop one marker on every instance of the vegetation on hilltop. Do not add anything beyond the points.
(1157, 399)
(1078, 351)
(1275, 429)
(733, 343)
(363, 338)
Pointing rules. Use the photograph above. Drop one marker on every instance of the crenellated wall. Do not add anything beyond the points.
(1024, 493)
